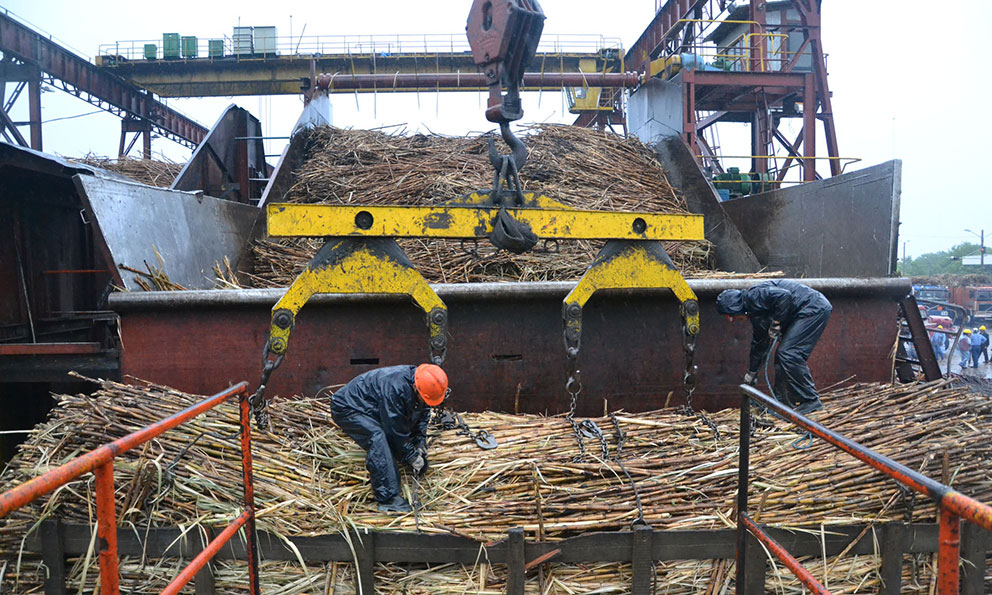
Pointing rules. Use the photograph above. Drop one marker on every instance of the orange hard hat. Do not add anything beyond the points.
(431, 383)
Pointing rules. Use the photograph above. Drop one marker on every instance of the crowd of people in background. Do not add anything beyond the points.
(972, 346)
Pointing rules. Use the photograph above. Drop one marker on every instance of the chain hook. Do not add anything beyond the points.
(258, 401)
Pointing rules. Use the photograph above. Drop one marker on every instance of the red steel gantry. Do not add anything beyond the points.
(30, 59)
(761, 60)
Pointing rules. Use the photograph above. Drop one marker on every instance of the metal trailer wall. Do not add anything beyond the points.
(844, 226)
(53, 278)
(505, 351)
(230, 162)
(182, 233)
(684, 172)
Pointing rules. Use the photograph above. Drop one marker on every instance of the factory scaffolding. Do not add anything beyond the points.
(752, 63)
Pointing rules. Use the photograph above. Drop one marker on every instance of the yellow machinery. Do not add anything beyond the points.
(360, 254)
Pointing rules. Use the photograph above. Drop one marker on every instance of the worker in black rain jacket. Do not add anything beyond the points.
(795, 315)
(386, 411)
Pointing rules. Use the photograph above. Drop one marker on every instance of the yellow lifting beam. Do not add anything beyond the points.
(475, 222)
(375, 265)
(628, 265)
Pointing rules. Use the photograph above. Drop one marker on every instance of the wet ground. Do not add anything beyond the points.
(984, 370)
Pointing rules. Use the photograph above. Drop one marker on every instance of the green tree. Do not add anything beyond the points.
(946, 262)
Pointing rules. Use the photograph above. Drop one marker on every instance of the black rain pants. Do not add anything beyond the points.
(379, 460)
(793, 381)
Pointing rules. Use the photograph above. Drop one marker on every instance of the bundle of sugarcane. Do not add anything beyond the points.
(151, 172)
(310, 478)
(278, 263)
(579, 167)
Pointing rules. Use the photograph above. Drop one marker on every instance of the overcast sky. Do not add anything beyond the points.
(897, 92)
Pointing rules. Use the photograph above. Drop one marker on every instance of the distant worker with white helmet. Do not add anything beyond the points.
(978, 342)
(386, 411)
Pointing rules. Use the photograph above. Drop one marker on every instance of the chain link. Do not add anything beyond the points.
(416, 501)
(259, 404)
(446, 419)
(689, 375)
(621, 440)
(573, 386)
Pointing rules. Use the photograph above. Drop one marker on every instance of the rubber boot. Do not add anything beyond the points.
(397, 504)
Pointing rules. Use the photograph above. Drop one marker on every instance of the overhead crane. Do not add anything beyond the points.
(293, 73)
(360, 254)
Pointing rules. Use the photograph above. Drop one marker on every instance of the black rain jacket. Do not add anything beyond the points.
(782, 300)
(388, 396)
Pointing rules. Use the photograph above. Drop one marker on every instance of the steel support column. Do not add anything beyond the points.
(809, 129)
(10, 131)
(140, 128)
(689, 108)
(758, 43)
(809, 13)
(34, 109)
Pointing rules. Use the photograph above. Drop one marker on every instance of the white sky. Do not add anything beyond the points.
(903, 86)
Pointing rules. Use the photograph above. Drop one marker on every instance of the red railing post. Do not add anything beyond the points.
(249, 486)
(201, 560)
(51, 480)
(106, 528)
(948, 552)
(743, 470)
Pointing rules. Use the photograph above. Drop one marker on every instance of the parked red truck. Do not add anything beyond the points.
(977, 300)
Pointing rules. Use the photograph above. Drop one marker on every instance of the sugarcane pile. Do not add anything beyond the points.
(310, 479)
(151, 172)
(579, 167)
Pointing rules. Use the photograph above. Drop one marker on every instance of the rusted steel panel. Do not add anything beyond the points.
(50, 348)
(505, 345)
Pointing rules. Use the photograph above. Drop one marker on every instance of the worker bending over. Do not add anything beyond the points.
(795, 315)
(386, 411)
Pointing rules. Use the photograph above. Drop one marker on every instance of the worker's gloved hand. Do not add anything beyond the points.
(775, 330)
(419, 464)
(751, 378)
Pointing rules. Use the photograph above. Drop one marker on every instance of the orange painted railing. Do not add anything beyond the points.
(100, 462)
(954, 506)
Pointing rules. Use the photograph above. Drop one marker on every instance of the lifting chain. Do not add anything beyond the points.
(573, 386)
(416, 500)
(446, 419)
(689, 375)
(258, 402)
(586, 428)
(621, 439)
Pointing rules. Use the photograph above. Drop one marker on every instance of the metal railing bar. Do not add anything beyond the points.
(51, 480)
(207, 554)
(948, 552)
(106, 528)
(797, 569)
(248, 481)
(948, 498)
